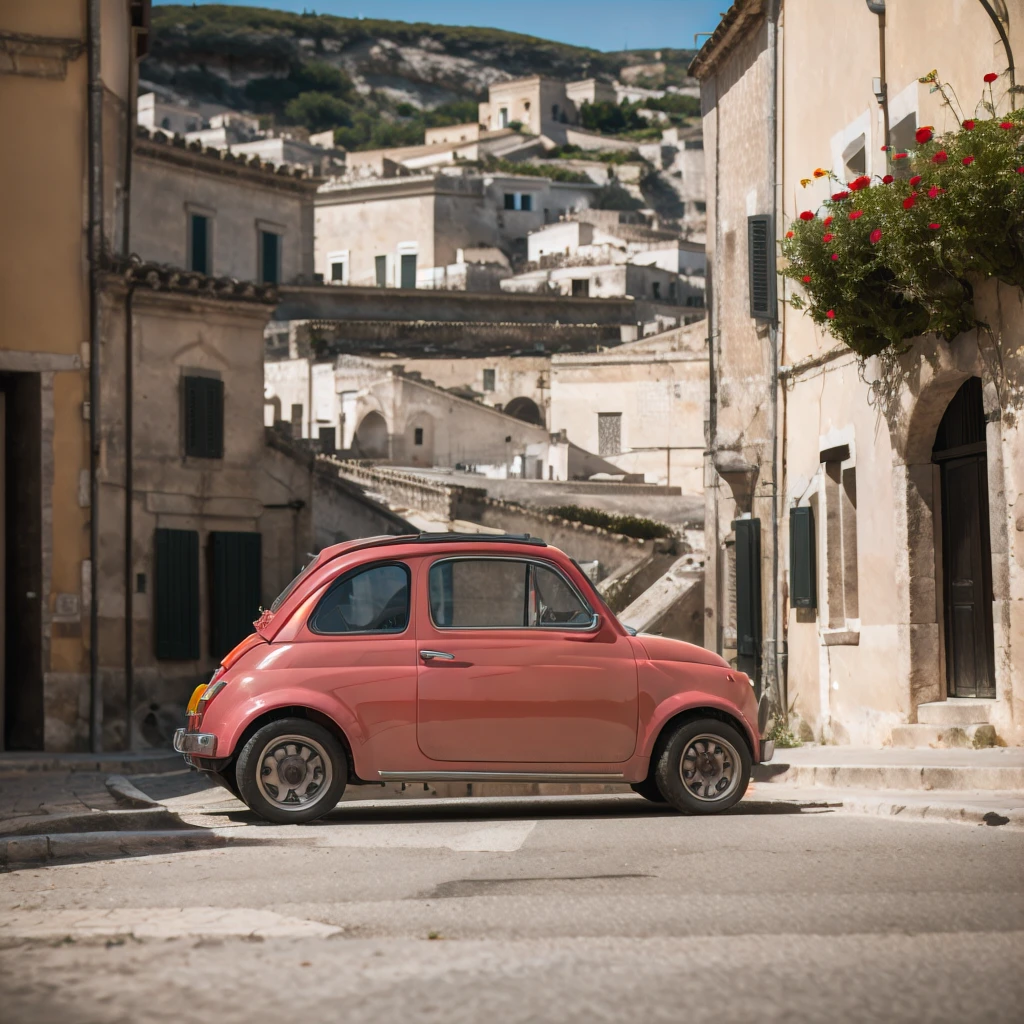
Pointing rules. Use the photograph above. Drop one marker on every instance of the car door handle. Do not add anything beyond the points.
(430, 655)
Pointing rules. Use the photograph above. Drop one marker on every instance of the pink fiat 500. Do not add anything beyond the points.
(446, 657)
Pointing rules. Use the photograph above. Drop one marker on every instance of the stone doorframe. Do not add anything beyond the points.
(932, 374)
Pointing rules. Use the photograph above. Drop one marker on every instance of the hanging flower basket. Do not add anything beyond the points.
(892, 257)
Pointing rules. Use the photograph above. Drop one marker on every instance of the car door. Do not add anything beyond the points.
(515, 667)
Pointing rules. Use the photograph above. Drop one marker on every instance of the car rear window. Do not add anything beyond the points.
(375, 600)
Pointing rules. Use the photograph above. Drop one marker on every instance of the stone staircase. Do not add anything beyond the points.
(956, 722)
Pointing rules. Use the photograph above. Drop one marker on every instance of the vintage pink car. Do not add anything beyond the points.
(453, 657)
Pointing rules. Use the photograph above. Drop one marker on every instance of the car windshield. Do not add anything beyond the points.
(283, 596)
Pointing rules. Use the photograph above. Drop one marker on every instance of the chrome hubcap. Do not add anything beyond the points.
(710, 768)
(294, 772)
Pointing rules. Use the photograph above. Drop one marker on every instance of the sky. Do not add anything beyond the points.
(600, 24)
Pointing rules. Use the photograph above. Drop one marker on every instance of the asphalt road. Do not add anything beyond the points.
(560, 909)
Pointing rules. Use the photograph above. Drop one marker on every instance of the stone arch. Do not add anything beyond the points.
(371, 437)
(525, 409)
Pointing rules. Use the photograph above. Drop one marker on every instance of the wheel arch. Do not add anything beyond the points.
(296, 711)
(692, 714)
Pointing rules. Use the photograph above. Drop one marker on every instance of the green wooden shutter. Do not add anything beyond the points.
(761, 257)
(408, 270)
(235, 588)
(200, 243)
(803, 591)
(748, 594)
(177, 595)
(204, 417)
(380, 268)
(270, 256)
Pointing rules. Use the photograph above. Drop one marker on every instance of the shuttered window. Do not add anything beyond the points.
(177, 595)
(204, 417)
(761, 254)
(408, 272)
(235, 585)
(270, 257)
(199, 229)
(803, 591)
(748, 595)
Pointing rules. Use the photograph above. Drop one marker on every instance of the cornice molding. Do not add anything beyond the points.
(37, 56)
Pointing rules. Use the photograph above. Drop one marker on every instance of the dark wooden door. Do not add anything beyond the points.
(966, 551)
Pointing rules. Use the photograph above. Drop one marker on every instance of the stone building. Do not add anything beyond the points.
(66, 88)
(854, 456)
(398, 232)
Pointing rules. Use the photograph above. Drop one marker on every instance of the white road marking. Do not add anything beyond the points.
(158, 923)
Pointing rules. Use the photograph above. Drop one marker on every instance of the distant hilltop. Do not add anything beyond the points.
(383, 79)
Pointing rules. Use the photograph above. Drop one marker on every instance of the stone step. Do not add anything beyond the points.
(939, 736)
(892, 776)
(955, 711)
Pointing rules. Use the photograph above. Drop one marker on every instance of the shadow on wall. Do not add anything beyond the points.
(371, 437)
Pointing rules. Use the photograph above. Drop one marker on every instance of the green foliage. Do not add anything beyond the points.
(533, 170)
(604, 156)
(318, 111)
(629, 526)
(903, 258)
(678, 107)
(610, 118)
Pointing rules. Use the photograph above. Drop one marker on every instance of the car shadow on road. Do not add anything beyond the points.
(476, 809)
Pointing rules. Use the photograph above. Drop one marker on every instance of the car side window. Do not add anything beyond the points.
(474, 593)
(495, 593)
(554, 602)
(375, 600)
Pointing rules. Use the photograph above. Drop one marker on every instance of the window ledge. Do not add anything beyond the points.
(841, 637)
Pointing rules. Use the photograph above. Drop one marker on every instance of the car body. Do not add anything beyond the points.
(449, 657)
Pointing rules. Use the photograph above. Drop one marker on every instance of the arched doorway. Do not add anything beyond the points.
(371, 437)
(525, 409)
(960, 452)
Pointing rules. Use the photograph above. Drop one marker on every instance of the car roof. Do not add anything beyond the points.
(428, 540)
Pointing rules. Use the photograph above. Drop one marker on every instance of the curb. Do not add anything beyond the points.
(127, 794)
(27, 851)
(156, 763)
(1012, 819)
(903, 777)
(153, 818)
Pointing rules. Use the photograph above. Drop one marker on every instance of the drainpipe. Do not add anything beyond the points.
(129, 402)
(882, 92)
(1006, 46)
(95, 250)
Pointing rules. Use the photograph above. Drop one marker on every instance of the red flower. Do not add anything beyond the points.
(827, 221)
(941, 157)
(991, 76)
(969, 126)
(899, 156)
(884, 148)
(789, 234)
(827, 238)
(923, 135)
(1007, 125)
(888, 179)
(835, 256)
(807, 278)
(909, 201)
(858, 183)
(840, 196)
(934, 226)
(934, 191)
(914, 180)
(875, 236)
(807, 215)
(854, 214)
(967, 161)
(831, 314)
(1020, 170)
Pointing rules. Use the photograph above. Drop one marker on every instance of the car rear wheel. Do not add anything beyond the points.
(704, 768)
(291, 771)
(648, 789)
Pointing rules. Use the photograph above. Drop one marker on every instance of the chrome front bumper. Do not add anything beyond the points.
(203, 744)
(767, 750)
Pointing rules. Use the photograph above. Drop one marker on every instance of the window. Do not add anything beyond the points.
(526, 202)
(855, 158)
(475, 593)
(510, 200)
(609, 433)
(580, 287)
(554, 111)
(417, 436)
(488, 380)
(204, 417)
(270, 257)
(165, 122)
(672, 290)
(327, 436)
(693, 144)
(296, 421)
(761, 268)
(380, 267)
(519, 201)
(176, 597)
(199, 243)
(841, 537)
(375, 600)
(339, 271)
(901, 139)
(503, 117)
(656, 289)
(702, 207)
(408, 270)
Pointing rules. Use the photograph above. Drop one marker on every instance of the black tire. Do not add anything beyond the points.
(648, 789)
(717, 768)
(317, 790)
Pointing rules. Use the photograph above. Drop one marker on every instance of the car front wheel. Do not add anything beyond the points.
(291, 771)
(704, 768)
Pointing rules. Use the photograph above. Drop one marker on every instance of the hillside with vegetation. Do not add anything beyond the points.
(380, 83)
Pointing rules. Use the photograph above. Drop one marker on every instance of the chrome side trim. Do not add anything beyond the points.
(502, 776)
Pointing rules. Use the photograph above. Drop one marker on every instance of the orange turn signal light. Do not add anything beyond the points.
(193, 701)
